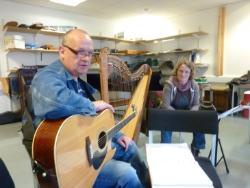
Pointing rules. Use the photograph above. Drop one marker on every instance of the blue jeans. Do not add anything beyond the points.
(126, 169)
(198, 141)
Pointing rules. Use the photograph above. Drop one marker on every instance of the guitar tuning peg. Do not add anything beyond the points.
(133, 108)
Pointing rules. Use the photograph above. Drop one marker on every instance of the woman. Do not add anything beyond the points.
(181, 92)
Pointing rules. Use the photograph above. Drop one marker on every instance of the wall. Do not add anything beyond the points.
(237, 38)
(161, 27)
(27, 14)
(237, 28)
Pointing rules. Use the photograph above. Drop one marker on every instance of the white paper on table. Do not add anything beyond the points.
(173, 165)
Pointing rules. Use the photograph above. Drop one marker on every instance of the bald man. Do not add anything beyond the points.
(58, 92)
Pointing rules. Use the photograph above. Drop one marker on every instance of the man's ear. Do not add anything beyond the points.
(61, 50)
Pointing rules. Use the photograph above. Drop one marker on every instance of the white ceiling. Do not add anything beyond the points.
(109, 9)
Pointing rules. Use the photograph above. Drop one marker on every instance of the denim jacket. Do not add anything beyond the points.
(55, 94)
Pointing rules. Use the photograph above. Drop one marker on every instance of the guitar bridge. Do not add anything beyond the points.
(89, 151)
(95, 158)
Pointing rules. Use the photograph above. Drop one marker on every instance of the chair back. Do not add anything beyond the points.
(201, 121)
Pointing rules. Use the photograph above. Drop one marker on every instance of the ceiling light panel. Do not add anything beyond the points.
(68, 2)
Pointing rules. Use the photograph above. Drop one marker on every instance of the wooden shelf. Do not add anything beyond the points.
(34, 31)
(111, 39)
(116, 54)
(177, 51)
(30, 50)
(119, 54)
(55, 33)
(174, 37)
(201, 65)
(47, 32)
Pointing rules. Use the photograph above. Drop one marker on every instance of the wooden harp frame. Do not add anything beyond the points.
(138, 98)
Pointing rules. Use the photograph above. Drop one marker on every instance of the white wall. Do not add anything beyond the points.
(237, 40)
(199, 21)
(160, 27)
(27, 14)
(237, 37)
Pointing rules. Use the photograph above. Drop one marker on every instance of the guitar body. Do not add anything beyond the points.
(62, 146)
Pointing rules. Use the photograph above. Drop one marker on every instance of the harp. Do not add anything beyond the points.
(123, 89)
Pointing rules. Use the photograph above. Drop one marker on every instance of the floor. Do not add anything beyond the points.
(234, 134)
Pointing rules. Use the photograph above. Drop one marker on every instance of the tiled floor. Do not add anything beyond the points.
(234, 134)
(15, 156)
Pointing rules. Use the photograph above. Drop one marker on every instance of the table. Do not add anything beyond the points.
(218, 94)
(173, 165)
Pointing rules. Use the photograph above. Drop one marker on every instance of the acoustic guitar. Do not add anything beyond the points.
(76, 148)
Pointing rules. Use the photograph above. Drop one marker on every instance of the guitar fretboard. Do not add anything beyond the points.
(120, 125)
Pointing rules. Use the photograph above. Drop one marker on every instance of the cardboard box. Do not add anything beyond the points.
(133, 52)
(4, 81)
(15, 41)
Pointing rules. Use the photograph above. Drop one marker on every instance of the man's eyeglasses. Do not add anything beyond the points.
(81, 53)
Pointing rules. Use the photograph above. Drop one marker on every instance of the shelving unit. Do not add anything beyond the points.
(56, 33)
(201, 65)
(177, 53)
(201, 69)
(164, 53)
(34, 31)
(11, 55)
(118, 54)
(30, 50)
(111, 39)
(59, 34)
(180, 36)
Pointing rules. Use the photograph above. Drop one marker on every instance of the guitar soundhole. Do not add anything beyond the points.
(102, 140)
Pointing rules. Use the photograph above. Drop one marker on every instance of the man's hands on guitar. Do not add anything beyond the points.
(101, 105)
(124, 141)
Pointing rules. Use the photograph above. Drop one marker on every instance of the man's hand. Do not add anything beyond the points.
(124, 141)
(101, 105)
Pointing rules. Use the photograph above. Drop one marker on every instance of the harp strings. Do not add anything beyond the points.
(122, 83)
(120, 88)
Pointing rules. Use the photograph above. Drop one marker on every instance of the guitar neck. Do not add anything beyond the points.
(111, 133)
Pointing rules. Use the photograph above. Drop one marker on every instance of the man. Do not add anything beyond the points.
(57, 92)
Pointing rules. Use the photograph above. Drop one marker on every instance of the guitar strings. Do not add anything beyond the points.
(103, 138)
